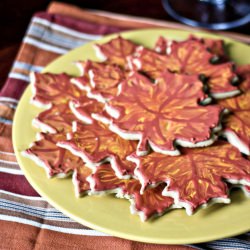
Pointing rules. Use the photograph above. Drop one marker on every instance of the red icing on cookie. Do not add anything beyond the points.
(56, 119)
(116, 50)
(238, 122)
(163, 113)
(95, 143)
(215, 46)
(161, 45)
(56, 161)
(197, 175)
(244, 72)
(149, 62)
(150, 203)
(51, 88)
(190, 57)
(101, 80)
(80, 176)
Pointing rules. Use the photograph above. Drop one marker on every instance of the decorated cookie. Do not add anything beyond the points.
(197, 176)
(215, 46)
(85, 110)
(95, 144)
(164, 114)
(58, 118)
(237, 123)
(192, 58)
(149, 204)
(51, 88)
(100, 80)
(115, 51)
(56, 161)
(244, 73)
(149, 62)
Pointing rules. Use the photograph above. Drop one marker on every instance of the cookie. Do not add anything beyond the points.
(100, 80)
(188, 57)
(96, 144)
(197, 176)
(237, 123)
(48, 89)
(115, 51)
(164, 114)
(147, 205)
(57, 161)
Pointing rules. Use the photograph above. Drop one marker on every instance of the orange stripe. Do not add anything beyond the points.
(20, 236)
(5, 138)
(33, 55)
(119, 20)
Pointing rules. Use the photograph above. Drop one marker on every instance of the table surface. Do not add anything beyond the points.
(15, 17)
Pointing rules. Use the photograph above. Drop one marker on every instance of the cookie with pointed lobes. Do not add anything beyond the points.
(58, 162)
(215, 46)
(164, 114)
(60, 117)
(243, 72)
(116, 51)
(100, 80)
(197, 176)
(188, 57)
(49, 88)
(149, 204)
(96, 144)
(237, 123)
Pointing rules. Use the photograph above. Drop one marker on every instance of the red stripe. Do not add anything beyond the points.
(13, 88)
(79, 25)
(16, 184)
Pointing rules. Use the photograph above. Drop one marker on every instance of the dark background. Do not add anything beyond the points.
(15, 16)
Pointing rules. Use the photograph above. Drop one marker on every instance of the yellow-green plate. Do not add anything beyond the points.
(111, 215)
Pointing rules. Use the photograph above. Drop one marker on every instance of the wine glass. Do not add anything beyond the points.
(210, 14)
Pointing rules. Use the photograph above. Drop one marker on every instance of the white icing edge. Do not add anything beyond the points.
(43, 126)
(140, 213)
(243, 189)
(42, 164)
(80, 117)
(187, 206)
(33, 91)
(99, 53)
(238, 182)
(234, 140)
(138, 136)
(80, 68)
(78, 194)
(225, 94)
(78, 84)
(91, 78)
(111, 159)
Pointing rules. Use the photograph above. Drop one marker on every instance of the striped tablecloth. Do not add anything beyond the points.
(27, 221)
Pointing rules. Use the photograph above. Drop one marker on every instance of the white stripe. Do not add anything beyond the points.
(37, 212)
(22, 196)
(38, 209)
(8, 99)
(56, 39)
(9, 162)
(11, 171)
(44, 46)
(27, 66)
(66, 30)
(19, 76)
(54, 228)
(6, 153)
